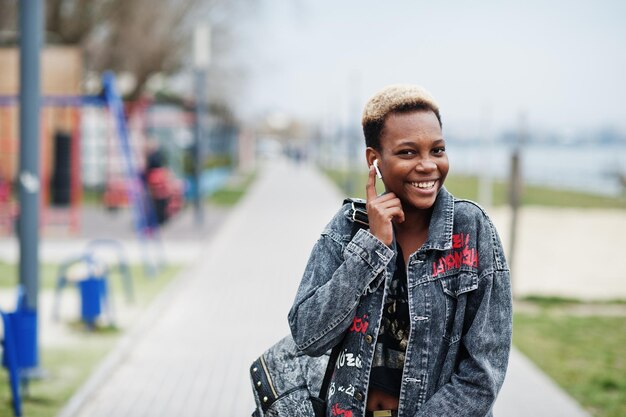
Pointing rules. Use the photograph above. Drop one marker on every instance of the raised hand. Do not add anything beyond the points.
(382, 211)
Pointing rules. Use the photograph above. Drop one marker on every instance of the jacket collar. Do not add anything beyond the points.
(441, 222)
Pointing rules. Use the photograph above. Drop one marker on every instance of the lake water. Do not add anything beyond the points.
(588, 167)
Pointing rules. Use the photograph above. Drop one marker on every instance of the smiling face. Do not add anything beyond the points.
(412, 158)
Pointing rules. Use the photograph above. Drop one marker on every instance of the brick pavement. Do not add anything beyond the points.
(190, 354)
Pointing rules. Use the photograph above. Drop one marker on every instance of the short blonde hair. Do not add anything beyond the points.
(397, 98)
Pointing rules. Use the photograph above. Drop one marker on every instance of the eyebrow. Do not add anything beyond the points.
(411, 143)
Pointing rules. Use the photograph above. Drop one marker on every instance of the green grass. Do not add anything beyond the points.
(48, 274)
(554, 301)
(463, 186)
(231, 193)
(586, 355)
(9, 275)
(69, 365)
(92, 197)
(65, 370)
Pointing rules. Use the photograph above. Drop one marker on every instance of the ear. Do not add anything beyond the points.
(370, 155)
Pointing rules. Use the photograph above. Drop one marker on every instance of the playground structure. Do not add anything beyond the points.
(65, 161)
(44, 156)
(20, 354)
(60, 136)
(81, 148)
(98, 162)
(90, 272)
(61, 121)
(93, 157)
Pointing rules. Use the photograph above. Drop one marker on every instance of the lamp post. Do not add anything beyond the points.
(516, 189)
(485, 178)
(202, 59)
(353, 136)
(31, 39)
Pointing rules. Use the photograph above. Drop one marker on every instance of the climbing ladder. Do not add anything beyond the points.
(144, 216)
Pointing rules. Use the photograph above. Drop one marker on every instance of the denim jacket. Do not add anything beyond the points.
(459, 299)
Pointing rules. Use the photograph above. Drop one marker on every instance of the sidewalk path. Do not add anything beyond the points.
(190, 354)
(180, 237)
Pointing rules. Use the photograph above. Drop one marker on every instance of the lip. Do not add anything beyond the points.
(424, 180)
(429, 190)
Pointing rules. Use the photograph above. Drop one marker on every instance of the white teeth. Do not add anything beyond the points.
(424, 185)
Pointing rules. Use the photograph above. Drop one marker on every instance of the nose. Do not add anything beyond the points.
(426, 165)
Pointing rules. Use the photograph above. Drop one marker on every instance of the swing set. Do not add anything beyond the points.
(63, 119)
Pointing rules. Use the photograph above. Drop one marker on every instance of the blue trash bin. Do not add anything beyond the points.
(90, 299)
(24, 324)
(9, 361)
(20, 349)
(24, 331)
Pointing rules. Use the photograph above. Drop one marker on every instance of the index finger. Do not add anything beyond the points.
(370, 188)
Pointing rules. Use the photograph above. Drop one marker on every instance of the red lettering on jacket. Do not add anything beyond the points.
(340, 412)
(359, 325)
(455, 259)
(460, 240)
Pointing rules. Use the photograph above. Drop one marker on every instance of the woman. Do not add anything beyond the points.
(420, 302)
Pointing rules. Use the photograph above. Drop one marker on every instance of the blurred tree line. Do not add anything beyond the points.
(141, 37)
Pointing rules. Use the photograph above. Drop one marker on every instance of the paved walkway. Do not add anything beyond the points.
(189, 356)
(180, 238)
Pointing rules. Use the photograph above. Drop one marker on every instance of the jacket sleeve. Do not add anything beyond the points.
(473, 387)
(333, 282)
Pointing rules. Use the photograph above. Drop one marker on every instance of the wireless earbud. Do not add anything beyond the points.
(378, 174)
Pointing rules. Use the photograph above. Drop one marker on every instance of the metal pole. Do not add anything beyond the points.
(516, 185)
(201, 108)
(485, 179)
(515, 191)
(353, 136)
(31, 36)
(202, 60)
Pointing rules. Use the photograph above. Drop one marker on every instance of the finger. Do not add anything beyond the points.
(385, 197)
(384, 207)
(396, 214)
(370, 188)
(400, 218)
(389, 203)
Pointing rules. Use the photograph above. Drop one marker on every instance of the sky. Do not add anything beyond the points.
(562, 64)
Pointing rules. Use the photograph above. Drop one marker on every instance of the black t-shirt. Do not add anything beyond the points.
(393, 336)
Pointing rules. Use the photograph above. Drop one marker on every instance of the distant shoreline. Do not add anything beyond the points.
(596, 168)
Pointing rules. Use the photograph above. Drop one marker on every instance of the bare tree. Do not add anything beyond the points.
(72, 21)
(66, 21)
(8, 21)
(142, 37)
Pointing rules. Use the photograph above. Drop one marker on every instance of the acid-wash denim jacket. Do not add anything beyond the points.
(459, 299)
